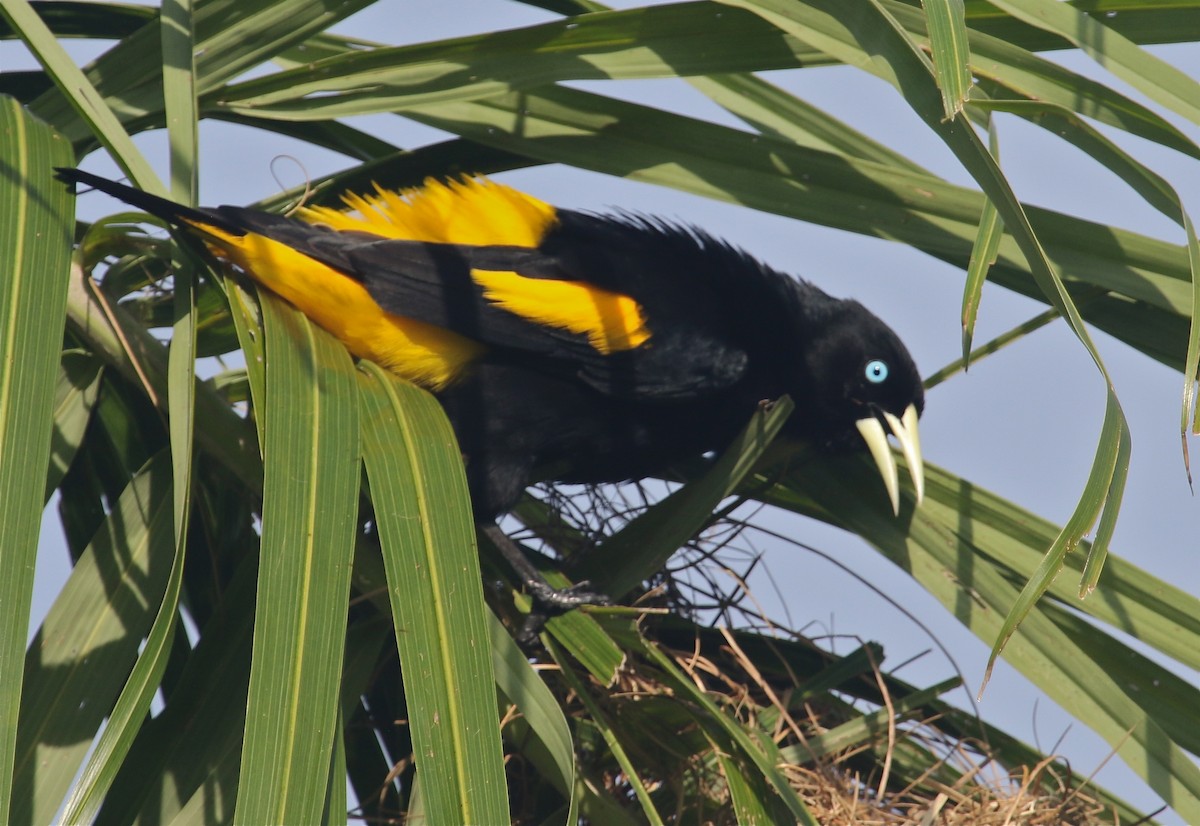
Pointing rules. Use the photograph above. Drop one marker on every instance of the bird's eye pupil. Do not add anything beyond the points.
(877, 371)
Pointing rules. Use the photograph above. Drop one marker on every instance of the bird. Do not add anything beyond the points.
(570, 346)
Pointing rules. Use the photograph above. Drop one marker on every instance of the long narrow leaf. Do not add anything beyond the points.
(87, 102)
(231, 37)
(311, 475)
(421, 503)
(75, 396)
(1143, 21)
(35, 244)
(179, 96)
(641, 42)
(950, 51)
(983, 256)
(523, 687)
(78, 662)
(761, 752)
(1001, 64)
(774, 112)
(1192, 361)
(132, 706)
(122, 343)
(193, 780)
(597, 718)
(1159, 80)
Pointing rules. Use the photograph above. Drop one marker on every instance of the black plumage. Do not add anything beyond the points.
(531, 397)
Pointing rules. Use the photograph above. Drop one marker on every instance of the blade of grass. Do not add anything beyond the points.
(91, 20)
(310, 505)
(1192, 360)
(983, 256)
(421, 503)
(121, 342)
(75, 396)
(1062, 122)
(632, 43)
(175, 18)
(232, 37)
(88, 103)
(79, 660)
(999, 62)
(35, 249)
(998, 343)
(539, 709)
(177, 37)
(1155, 612)
(778, 114)
(854, 733)
(759, 751)
(1144, 21)
(183, 768)
(132, 706)
(1157, 79)
(597, 718)
(950, 51)
(1157, 192)
(747, 794)
(134, 702)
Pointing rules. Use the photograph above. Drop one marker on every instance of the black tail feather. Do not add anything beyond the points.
(164, 208)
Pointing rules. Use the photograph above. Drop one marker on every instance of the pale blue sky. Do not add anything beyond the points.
(1023, 423)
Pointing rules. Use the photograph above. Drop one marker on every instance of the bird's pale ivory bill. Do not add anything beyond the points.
(905, 431)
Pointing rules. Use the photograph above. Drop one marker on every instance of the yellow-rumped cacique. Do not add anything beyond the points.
(600, 347)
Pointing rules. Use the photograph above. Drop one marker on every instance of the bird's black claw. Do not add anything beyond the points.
(527, 637)
(550, 602)
(561, 600)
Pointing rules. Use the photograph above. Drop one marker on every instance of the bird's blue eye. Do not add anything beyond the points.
(877, 371)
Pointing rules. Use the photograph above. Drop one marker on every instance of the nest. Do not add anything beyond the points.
(838, 798)
(859, 786)
(927, 764)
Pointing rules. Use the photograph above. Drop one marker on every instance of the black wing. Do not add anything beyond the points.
(687, 356)
(683, 359)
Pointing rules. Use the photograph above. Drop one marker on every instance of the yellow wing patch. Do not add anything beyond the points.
(470, 211)
(611, 321)
(477, 211)
(419, 352)
(473, 211)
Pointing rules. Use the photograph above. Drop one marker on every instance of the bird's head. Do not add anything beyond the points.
(862, 386)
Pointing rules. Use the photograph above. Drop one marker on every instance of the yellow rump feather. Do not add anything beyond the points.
(420, 352)
(471, 211)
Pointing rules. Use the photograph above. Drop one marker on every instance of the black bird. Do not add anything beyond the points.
(571, 346)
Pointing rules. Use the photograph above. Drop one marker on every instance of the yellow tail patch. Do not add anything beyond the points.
(422, 353)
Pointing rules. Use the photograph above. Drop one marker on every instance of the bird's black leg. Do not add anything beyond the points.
(550, 600)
